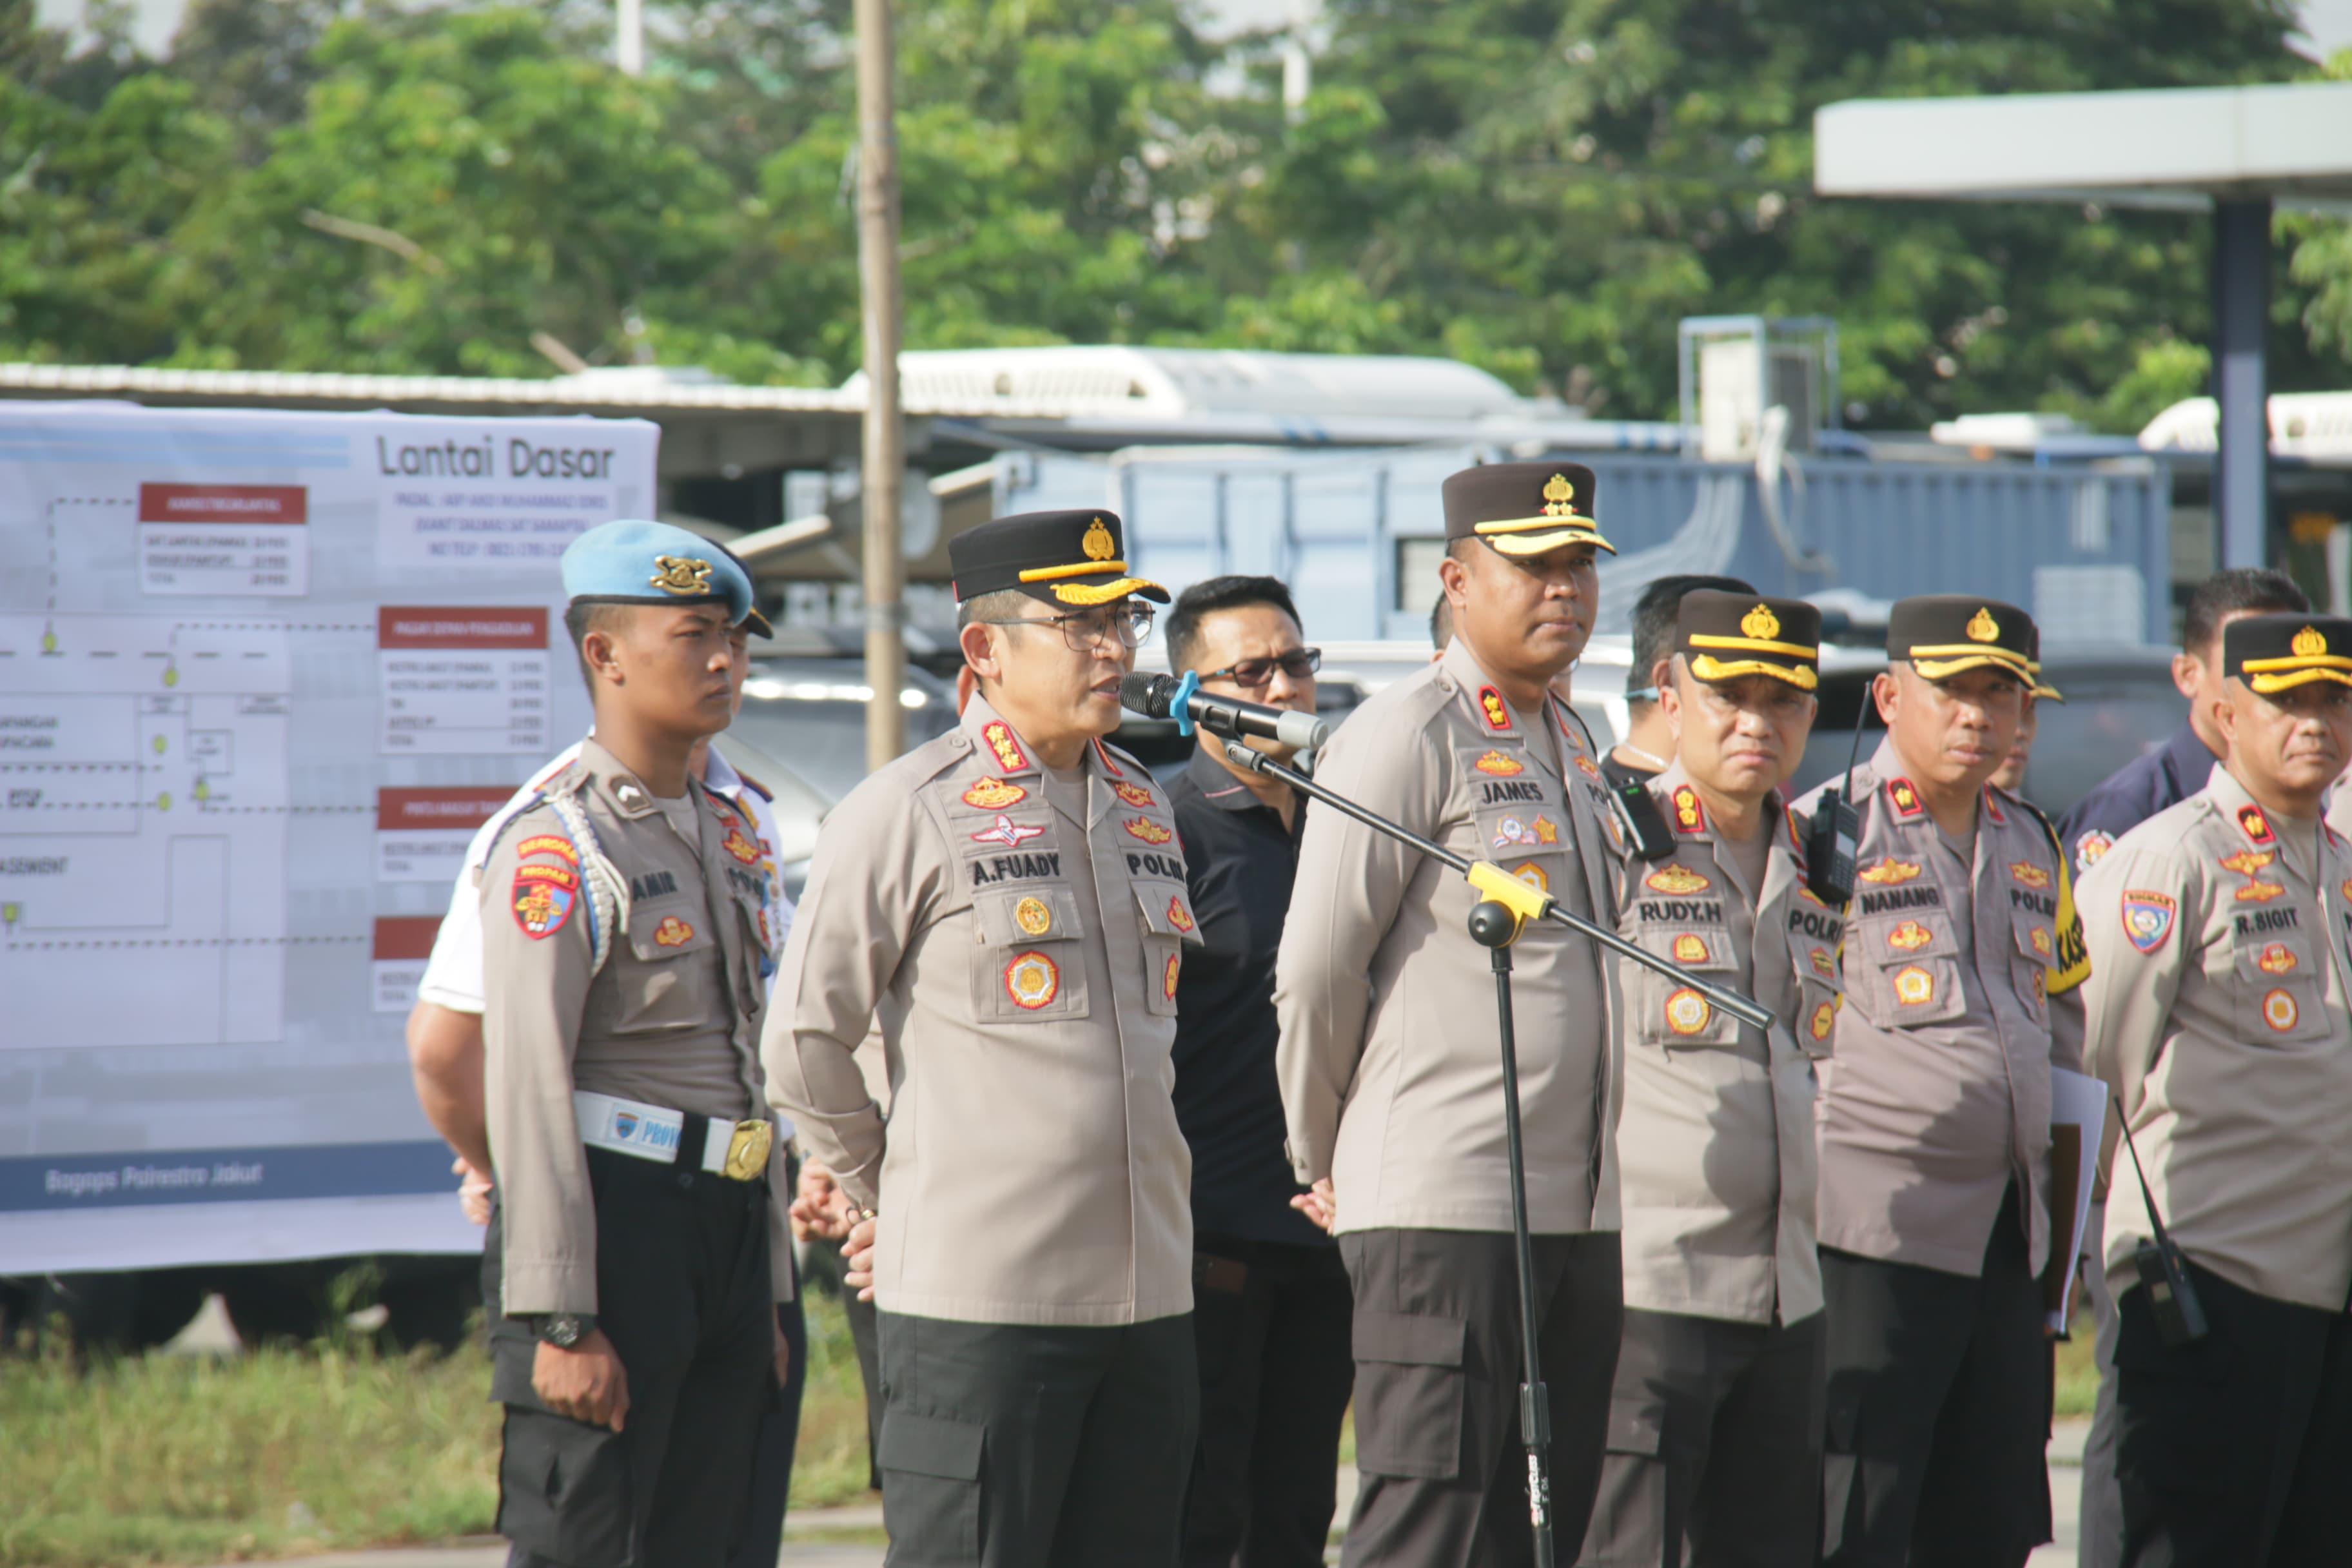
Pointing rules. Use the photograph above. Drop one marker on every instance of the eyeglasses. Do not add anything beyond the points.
(1087, 629)
(1252, 673)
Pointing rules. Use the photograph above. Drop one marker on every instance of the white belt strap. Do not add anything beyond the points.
(738, 1150)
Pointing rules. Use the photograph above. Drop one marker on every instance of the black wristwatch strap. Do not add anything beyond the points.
(562, 1330)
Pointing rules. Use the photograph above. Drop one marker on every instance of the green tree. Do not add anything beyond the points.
(1556, 183)
(448, 192)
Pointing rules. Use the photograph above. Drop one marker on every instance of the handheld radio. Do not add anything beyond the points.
(2171, 1293)
(1833, 842)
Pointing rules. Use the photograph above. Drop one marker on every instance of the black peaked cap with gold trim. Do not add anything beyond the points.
(1944, 634)
(2276, 653)
(1523, 509)
(1061, 557)
(1723, 636)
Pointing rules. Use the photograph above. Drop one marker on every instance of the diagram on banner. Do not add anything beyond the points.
(144, 799)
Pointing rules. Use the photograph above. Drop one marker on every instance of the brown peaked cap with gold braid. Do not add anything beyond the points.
(1944, 634)
(1723, 636)
(2274, 653)
(1523, 509)
(1061, 557)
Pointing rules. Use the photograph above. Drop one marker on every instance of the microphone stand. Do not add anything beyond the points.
(1504, 908)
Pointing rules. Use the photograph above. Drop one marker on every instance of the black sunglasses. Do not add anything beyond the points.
(1298, 664)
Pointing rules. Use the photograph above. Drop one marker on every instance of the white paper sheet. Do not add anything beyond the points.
(2078, 1100)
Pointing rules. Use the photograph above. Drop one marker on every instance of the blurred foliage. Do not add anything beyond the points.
(1540, 187)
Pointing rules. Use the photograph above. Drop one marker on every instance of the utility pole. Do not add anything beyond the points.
(885, 462)
(629, 36)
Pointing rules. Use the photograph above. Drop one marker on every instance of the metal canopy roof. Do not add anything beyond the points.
(2178, 147)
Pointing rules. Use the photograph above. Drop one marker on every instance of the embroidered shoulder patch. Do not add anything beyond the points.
(542, 898)
(1905, 797)
(2091, 845)
(548, 844)
(2148, 918)
(2254, 824)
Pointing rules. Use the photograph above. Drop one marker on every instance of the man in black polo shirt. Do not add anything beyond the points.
(1270, 1299)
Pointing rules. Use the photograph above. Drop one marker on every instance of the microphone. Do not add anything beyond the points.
(1163, 697)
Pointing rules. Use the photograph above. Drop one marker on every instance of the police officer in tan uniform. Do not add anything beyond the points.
(1934, 1209)
(1715, 1428)
(2218, 1013)
(1010, 900)
(635, 1250)
(1390, 1064)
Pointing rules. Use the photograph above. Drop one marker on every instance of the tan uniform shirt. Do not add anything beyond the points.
(1937, 1095)
(1390, 1062)
(1716, 1144)
(672, 1020)
(2217, 1014)
(1019, 941)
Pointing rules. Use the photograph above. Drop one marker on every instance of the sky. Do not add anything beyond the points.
(2327, 24)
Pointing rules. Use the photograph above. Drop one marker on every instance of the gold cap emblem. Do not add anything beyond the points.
(681, 574)
(1098, 543)
(1760, 623)
(1559, 496)
(1982, 628)
(2309, 643)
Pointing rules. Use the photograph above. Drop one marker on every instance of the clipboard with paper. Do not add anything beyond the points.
(2078, 1117)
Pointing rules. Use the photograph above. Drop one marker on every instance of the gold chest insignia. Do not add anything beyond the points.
(673, 932)
(1032, 981)
(1690, 948)
(1909, 937)
(1675, 880)
(1499, 765)
(1143, 827)
(1914, 986)
(995, 794)
(1687, 1012)
(1032, 916)
(1889, 872)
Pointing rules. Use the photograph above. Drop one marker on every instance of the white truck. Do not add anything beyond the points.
(261, 675)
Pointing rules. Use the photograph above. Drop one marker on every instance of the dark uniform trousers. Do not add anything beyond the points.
(1939, 1410)
(1021, 1446)
(683, 1292)
(779, 1430)
(1438, 1369)
(1714, 1445)
(2236, 1450)
(1270, 1325)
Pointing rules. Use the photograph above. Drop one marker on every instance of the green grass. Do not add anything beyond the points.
(2078, 1376)
(196, 1459)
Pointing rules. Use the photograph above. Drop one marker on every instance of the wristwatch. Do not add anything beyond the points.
(563, 1329)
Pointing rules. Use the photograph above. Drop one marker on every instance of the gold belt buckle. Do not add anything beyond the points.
(747, 1150)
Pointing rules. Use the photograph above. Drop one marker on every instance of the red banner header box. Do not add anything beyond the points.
(460, 627)
(223, 503)
(466, 806)
(405, 936)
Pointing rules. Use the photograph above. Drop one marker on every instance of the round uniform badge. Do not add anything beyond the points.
(1687, 1012)
(1032, 981)
(2279, 1010)
(1032, 915)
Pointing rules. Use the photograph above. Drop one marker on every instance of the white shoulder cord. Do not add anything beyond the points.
(608, 890)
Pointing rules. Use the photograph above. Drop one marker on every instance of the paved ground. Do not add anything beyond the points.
(805, 1548)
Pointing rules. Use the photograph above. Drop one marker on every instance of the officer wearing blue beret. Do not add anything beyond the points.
(637, 1249)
